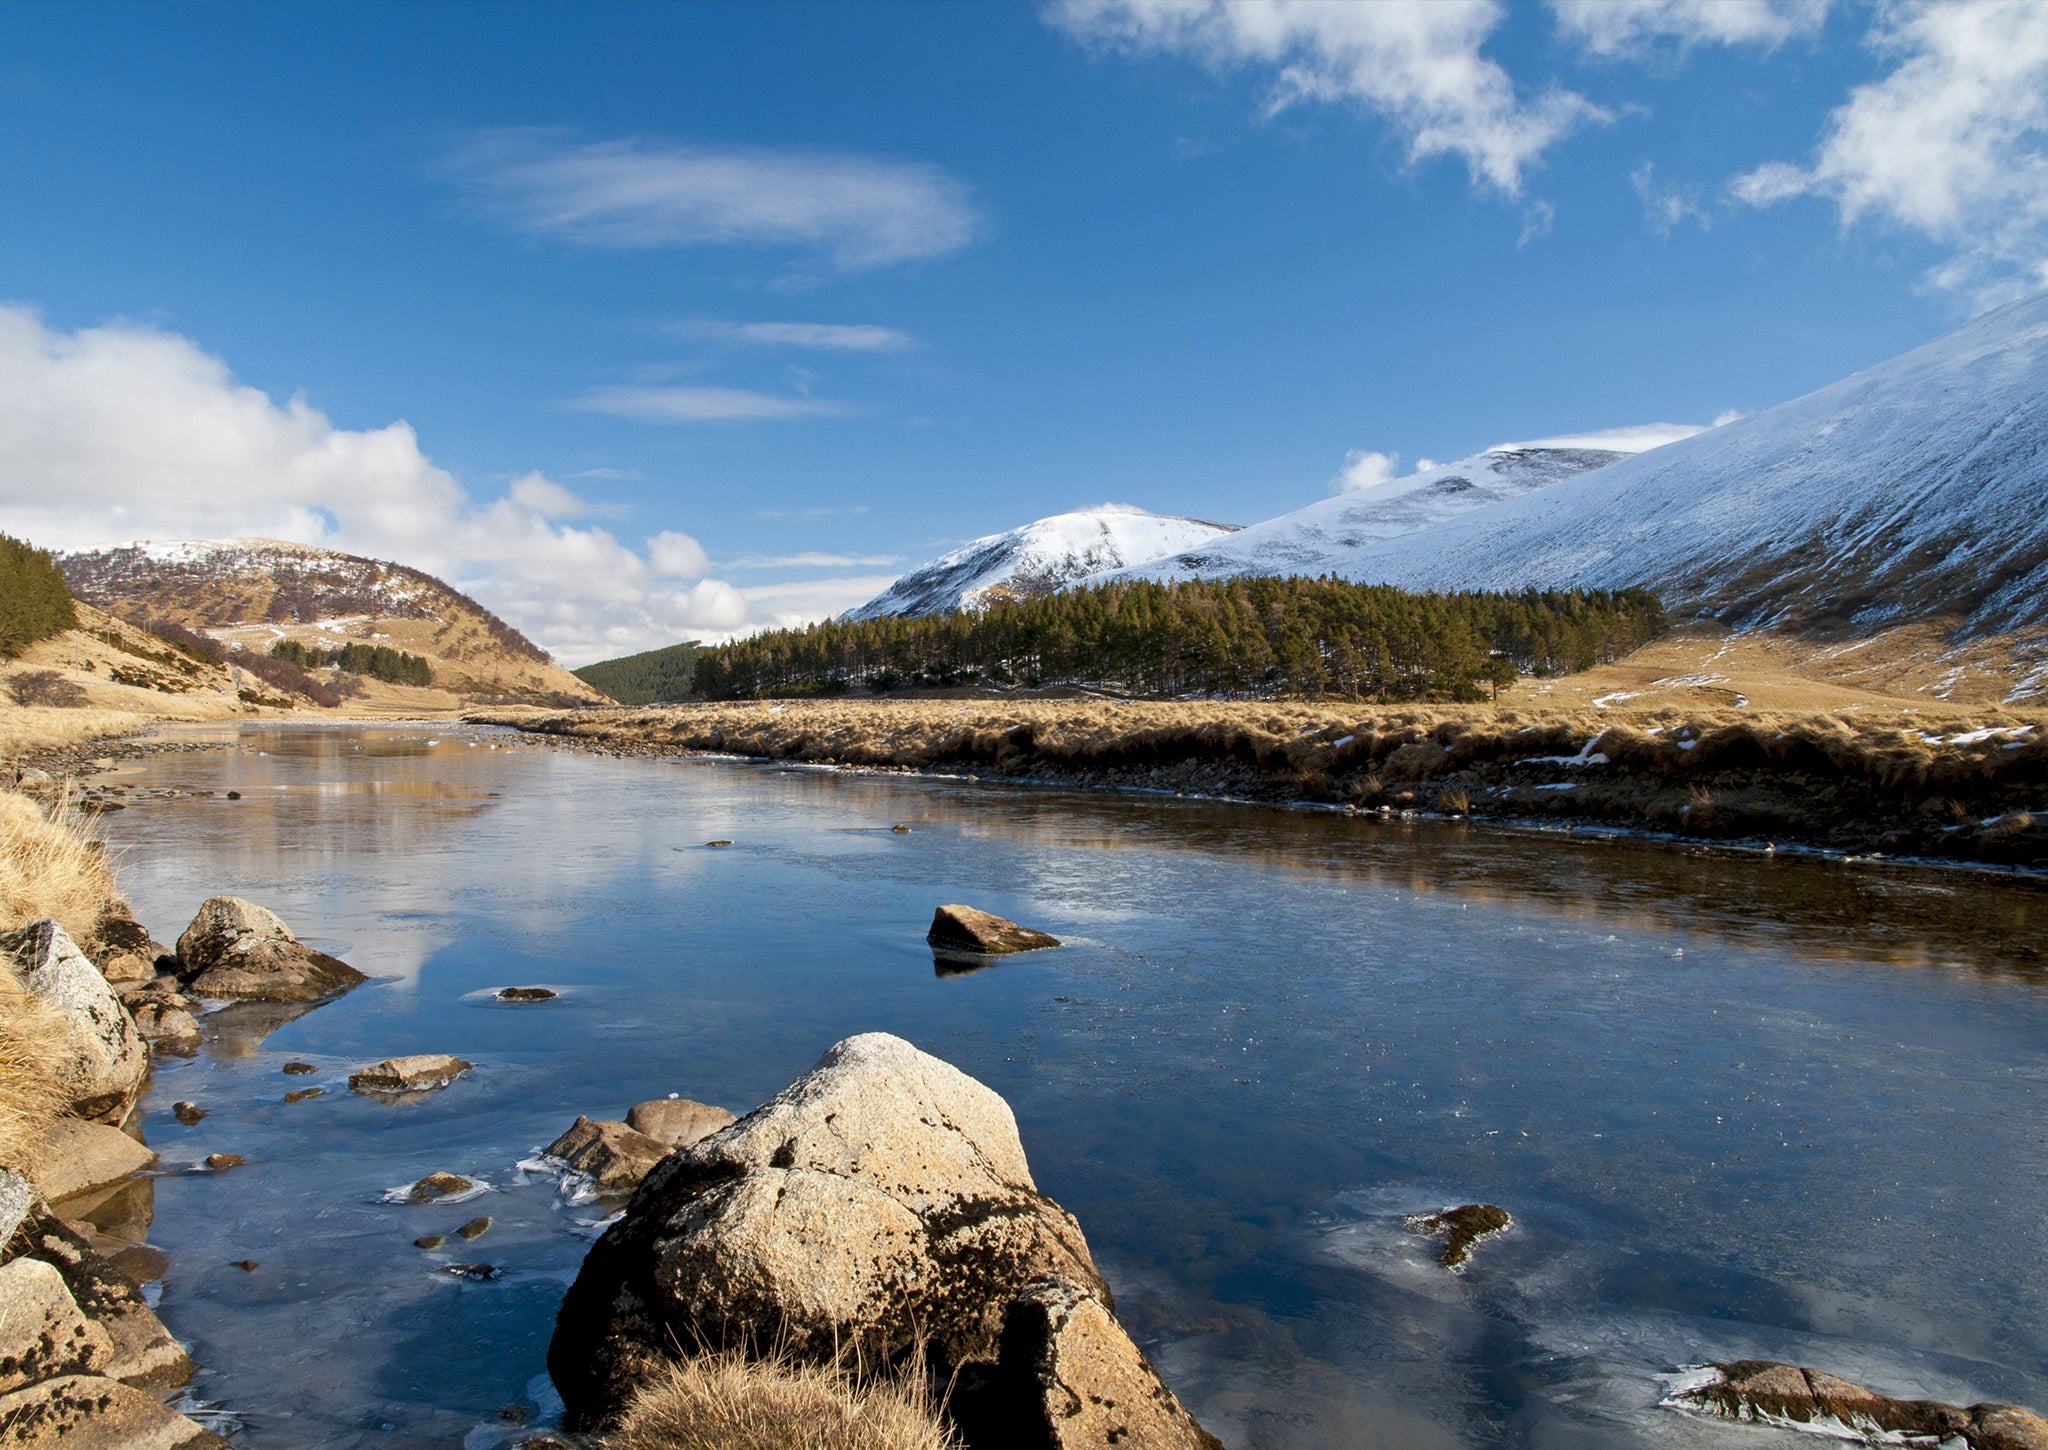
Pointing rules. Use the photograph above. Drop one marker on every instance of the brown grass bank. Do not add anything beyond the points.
(725, 1401)
(1953, 782)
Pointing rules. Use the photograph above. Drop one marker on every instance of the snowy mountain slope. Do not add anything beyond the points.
(1322, 538)
(252, 592)
(1916, 489)
(1037, 559)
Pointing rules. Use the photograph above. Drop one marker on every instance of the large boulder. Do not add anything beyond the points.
(42, 1332)
(106, 1057)
(235, 948)
(880, 1203)
(1757, 1389)
(982, 933)
(88, 1412)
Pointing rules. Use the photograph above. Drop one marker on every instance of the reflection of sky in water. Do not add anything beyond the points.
(1778, 1107)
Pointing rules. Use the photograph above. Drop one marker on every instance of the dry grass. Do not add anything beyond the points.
(725, 1401)
(31, 1067)
(30, 730)
(50, 867)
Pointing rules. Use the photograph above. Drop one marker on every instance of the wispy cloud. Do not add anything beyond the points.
(814, 560)
(1631, 27)
(817, 513)
(700, 405)
(1414, 63)
(1666, 205)
(823, 336)
(608, 473)
(857, 211)
(1949, 143)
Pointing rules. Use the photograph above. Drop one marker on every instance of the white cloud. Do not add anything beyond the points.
(1665, 206)
(684, 404)
(812, 559)
(1414, 63)
(1949, 143)
(1638, 438)
(1364, 469)
(1631, 27)
(808, 514)
(117, 433)
(825, 336)
(858, 211)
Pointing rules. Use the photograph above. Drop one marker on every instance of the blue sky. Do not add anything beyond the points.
(701, 317)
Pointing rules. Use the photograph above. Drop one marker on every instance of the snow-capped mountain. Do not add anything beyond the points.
(1913, 490)
(1037, 559)
(1324, 537)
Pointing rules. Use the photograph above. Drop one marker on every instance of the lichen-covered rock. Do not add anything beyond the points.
(612, 1154)
(17, 1197)
(122, 947)
(42, 1333)
(107, 1056)
(235, 948)
(1766, 1391)
(419, 1074)
(90, 1412)
(144, 1354)
(677, 1122)
(967, 929)
(80, 1157)
(881, 1200)
(1075, 1381)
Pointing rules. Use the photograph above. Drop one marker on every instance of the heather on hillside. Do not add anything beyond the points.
(1239, 638)
(34, 603)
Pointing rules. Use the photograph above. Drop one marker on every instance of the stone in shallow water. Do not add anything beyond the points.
(1461, 1228)
(187, 1113)
(437, 1186)
(429, 1242)
(235, 948)
(614, 1155)
(967, 929)
(298, 1069)
(299, 1095)
(476, 1228)
(422, 1073)
(475, 1273)
(221, 1162)
(526, 994)
(1757, 1389)
(678, 1122)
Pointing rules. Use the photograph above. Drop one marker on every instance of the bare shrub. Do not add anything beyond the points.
(1454, 802)
(726, 1401)
(47, 688)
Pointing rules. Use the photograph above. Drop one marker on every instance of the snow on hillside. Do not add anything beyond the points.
(1037, 559)
(1322, 538)
(1915, 489)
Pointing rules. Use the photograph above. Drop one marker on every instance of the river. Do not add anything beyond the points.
(1777, 1107)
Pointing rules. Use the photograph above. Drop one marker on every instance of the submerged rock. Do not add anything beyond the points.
(879, 1204)
(419, 1074)
(235, 948)
(222, 1162)
(429, 1242)
(966, 929)
(614, 1155)
(81, 1157)
(107, 1058)
(1765, 1391)
(474, 1273)
(475, 1229)
(299, 1095)
(42, 1332)
(677, 1122)
(1460, 1228)
(90, 1412)
(187, 1113)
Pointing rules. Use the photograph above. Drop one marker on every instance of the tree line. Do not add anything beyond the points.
(378, 661)
(643, 679)
(34, 602)
(1257, 637)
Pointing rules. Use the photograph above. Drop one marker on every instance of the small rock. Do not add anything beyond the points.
(299, 1095)
(187, 1113)
(429, 1242)
(222, 1162)
(1752, 1389)
(42, 1332)
(80, 1157)
(91, 1412)
(677, 1122)
(436, 1186)
(718, 843)
(234, 795)
(299, 1069)
(171, 1029)
(475, 1273)
(422, 1073)
(526, 994)
(513, 1414)
(235, 948)
(1461, 1228)
(965, 929)
(900, 830)
(614, 1155)
(476, 1228)
(247, 1266)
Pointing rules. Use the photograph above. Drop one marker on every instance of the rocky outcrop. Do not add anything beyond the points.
(235, 948)
(878, 1206)
(966, 929)
(80, 1157)
(89, 1412)
(1764, 1391)
(107, 1057)
(42, 1333)
(677, 1122)
(420, 1074)
(612, 1155)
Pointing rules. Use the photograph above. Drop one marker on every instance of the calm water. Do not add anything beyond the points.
(1738, 1106)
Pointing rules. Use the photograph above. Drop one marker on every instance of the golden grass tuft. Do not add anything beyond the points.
(50, 868)
(32, 1061)
(726, 1401)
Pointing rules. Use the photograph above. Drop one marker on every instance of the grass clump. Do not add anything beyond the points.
(50, 867)
(32, 1062)
(726, 1401)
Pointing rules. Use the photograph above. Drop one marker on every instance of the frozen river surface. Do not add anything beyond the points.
(1738, 1106)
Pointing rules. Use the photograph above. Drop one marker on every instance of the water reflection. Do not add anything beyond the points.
(1724, 1119)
